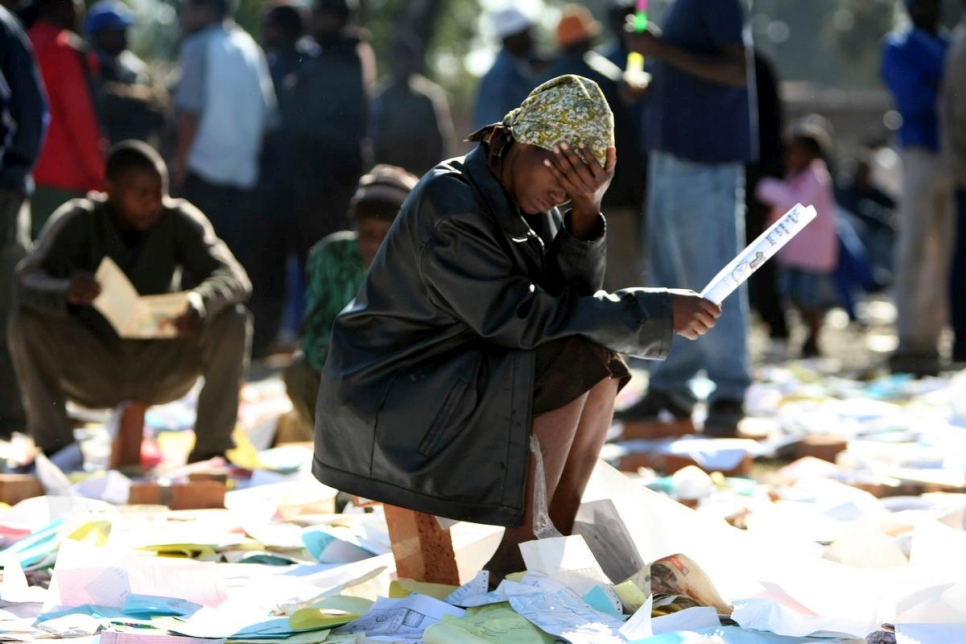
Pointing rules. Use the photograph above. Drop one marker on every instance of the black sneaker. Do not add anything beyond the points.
(916, 365)
(723, 418)
(649, 408)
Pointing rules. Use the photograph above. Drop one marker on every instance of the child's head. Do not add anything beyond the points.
(805, 145)
(375, 205)
(136, 184)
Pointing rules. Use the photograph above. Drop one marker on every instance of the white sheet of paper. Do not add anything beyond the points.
(218, 623)
(401, 619)
(568, 560)
(15, 590)
(85, 574)
(555, 609)
(640, 626)
(689, 619)
(132, 315)
(118, 297)
(54, 480)
(930, 633)
(757, 253)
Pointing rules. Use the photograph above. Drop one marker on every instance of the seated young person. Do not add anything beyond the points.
(334, 271)
(64, 349)
(480, 324)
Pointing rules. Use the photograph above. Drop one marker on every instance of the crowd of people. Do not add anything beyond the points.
(291, 150)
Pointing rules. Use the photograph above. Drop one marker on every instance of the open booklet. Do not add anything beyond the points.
(757, 253)
(133, 315)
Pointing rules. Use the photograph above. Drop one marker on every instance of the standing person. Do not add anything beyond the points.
(26, 110)
(64, 349)
(327, 116)
(106, 25)
(411, 123)
(912, 68)
(72, 159)
(695, 211)
(286, 48)
(809, 259)
(128, 106)
(763, 294)
(514, 72)
(480, 330)
(576, 33)
(224, 106)
(954, 144)
(624, 201)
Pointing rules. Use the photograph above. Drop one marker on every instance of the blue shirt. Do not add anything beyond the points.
(27, 106)
(695, 119)
(226, 82)
(912, 68)
(502, 89)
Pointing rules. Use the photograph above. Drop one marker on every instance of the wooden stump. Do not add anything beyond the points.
(422, 549)
(126, 449)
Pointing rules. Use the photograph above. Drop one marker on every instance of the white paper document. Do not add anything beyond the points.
(757, 253)
(133, 315)
(401, 619)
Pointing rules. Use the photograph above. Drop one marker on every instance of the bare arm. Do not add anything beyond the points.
(728, 66)
(187, 129)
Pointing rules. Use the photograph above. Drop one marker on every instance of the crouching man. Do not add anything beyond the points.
(65, 349)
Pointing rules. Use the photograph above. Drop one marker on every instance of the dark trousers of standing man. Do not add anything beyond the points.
(957, 283)
(14, 243)
(64, 358)
(254, 235)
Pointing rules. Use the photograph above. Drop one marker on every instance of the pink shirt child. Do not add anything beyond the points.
(816, 247)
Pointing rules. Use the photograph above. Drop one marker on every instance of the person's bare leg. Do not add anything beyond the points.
(595, 420)
(555, 432)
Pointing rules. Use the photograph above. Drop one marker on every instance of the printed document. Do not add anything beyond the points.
(133, 315)
(757, 253)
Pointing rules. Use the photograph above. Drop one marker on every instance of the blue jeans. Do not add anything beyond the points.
(695, 226)
(957, 282)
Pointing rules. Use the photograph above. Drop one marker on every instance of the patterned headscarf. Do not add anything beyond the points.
(568, 109)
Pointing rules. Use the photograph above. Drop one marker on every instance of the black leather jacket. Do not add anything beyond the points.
(426, 396)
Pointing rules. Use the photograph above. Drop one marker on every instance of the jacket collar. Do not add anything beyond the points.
(495, 198)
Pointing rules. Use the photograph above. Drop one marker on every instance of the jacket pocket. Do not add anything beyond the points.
(438, 428)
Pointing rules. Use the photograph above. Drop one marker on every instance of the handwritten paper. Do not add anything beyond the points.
(133, 315)
(757, 253)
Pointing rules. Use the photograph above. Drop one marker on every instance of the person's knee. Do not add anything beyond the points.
(24, 326)
(232, 327)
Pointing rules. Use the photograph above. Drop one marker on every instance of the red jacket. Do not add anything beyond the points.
(72, 157)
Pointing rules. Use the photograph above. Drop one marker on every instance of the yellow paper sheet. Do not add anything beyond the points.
(329, 612)
(403, 587)
(497, 623)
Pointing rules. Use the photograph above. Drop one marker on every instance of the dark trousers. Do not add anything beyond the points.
(957, 282)
(256, 238)
(14, 243)
(61, 358)
(302, 387)
(763, 295)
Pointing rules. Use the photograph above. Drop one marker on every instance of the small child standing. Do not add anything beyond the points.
(810, 258)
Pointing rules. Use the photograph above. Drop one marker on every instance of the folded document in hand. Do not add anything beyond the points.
(133, 315)
(757, 253)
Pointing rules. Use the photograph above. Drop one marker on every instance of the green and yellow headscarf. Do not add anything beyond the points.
(567, 108)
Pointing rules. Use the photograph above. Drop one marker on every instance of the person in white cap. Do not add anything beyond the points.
(514, 73)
